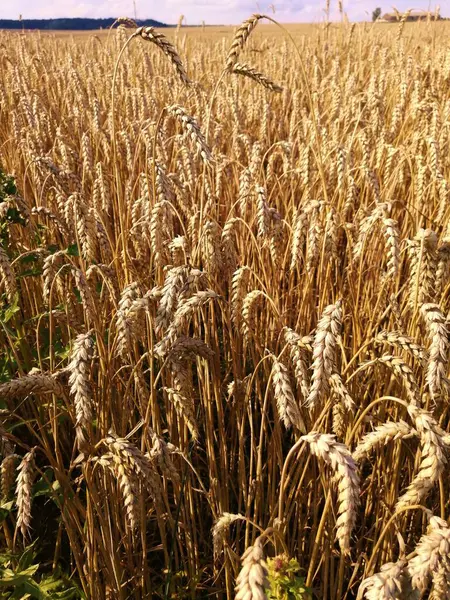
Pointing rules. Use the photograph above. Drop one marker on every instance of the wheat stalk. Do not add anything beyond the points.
(324, 446)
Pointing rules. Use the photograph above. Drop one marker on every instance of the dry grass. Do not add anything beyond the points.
(225, 311)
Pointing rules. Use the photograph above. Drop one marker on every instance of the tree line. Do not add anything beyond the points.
(77, 24)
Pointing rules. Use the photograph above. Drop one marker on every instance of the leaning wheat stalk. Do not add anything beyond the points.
(221, 527)
(192, 130)
(251, 73)
(404, 342)
(149, 34)
(338, 456)
(389, 431)
(7, 474)
(33, 383)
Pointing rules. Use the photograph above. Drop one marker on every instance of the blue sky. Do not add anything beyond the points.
(211, 11)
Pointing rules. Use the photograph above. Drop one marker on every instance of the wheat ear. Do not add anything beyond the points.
(79, 368)
(324, 352)
(24, 493)
(240, 38)
(221, 527)
(325, 446)
(149, 34)
(251, 583)
(251, 73)
(433, 458)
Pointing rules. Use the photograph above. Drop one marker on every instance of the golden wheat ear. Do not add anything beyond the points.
(149, 34)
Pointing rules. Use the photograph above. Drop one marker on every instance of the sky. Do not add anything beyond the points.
(195, 11)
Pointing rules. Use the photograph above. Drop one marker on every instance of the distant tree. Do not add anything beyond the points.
(376, 14)
(75, 24)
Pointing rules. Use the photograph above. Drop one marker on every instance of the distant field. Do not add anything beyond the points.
(264, 30)
(225, 313)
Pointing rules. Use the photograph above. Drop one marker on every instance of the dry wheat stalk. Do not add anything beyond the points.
(324, 446)
(339, 389)
(239, 282)
(87, 298)
(160, 456)
(263, 217)
(185, 409)
(186, 310)
(129, 492)
(443, 266)
(49, 271)
(85, 226)
(6, 447)
(298, 352)
(441, 581)
(125, 21)
(137, 463)
(129, 486)
(46, 212)
(422, 251)
(404, 374)
(248, 311)
(392, 236)
(179, 282)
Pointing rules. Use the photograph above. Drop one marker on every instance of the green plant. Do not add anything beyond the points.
(20, 578)
(285, 583)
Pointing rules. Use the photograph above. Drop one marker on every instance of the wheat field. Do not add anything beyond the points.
(225, 296)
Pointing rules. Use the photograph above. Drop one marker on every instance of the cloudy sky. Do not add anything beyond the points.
(211, 11)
